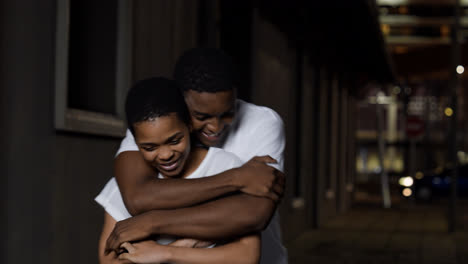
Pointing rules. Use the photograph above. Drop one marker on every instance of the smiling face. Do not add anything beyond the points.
(211, 114)
(164, 143)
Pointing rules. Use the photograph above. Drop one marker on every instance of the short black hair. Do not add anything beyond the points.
(205, 70)
(154, 97)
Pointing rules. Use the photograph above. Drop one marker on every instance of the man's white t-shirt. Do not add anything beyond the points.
(215, 161)
(256, 131)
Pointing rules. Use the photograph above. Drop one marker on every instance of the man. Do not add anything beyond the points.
(230, 204)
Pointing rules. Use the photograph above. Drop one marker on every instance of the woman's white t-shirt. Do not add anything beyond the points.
(215, 161)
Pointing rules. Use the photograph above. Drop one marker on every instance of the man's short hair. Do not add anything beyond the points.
(154, 97)
(205, 70)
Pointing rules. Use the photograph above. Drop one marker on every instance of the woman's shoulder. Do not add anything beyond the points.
(215, 161)
(221, 155)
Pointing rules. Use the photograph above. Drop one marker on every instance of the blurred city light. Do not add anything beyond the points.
(407, 192)
(462, 157)
(445, 30)
(419, 175)
(460, 69)
(381, 98)
(403, 10)
(448, 111)
(401, 49)
(406, 181)
(385, 29)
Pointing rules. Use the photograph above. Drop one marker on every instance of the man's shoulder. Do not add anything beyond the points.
(255, 128)
(255, 115)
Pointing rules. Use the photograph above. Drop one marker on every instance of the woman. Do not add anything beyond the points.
(159, 120)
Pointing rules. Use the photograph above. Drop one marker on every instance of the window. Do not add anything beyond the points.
(92, 65)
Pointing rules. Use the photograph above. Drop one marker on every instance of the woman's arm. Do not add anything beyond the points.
(110, 258)
(245, 250)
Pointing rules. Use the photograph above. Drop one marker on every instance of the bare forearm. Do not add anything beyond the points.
(245, 250)
(179, 193)
(142, 191)
(111, 257)
(228, 217)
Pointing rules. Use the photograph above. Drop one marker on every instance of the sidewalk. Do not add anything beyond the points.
(407, 234)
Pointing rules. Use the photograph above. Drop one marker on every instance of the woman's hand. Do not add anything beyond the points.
(190, 243)
(145, 252)
(131, 229)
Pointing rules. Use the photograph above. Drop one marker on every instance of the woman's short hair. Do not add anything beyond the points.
(154, 97)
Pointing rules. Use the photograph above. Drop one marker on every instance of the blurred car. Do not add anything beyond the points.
(429, 185)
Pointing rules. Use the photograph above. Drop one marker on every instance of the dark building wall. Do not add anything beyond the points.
(163, 30)
(274, 78)
(314, 103)
(50, 178)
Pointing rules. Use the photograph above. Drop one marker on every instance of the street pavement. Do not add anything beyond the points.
(406, 233)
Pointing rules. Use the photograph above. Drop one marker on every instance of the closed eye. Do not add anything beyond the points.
(174, 142)
(148, 148)
(202, 117)
(175, 139)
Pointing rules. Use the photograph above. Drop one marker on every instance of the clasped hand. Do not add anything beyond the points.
(132, 229)
(258, 178)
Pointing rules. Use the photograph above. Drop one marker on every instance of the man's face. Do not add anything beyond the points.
(212, 114)
(164, 143)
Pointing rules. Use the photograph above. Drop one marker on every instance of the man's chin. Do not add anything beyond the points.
(210, 141)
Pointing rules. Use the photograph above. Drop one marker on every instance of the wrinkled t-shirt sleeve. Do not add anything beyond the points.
(127, 144)
(270, 140)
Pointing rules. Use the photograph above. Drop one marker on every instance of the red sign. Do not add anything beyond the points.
(414, 126)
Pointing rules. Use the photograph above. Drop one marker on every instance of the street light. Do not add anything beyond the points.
(448, 111)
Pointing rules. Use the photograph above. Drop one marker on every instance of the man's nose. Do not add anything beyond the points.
(216, 126)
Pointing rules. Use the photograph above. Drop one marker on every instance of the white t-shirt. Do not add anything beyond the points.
(256, 131)
(215, 161)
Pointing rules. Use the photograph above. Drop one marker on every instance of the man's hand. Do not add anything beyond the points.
(257, 178)
(132, 229)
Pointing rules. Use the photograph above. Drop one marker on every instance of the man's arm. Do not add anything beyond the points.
(142, 191)
(227, 217)
(245, 250)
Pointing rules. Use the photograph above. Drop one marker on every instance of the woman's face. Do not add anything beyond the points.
(164, 143)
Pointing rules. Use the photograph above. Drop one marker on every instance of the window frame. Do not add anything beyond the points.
(80, 120)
